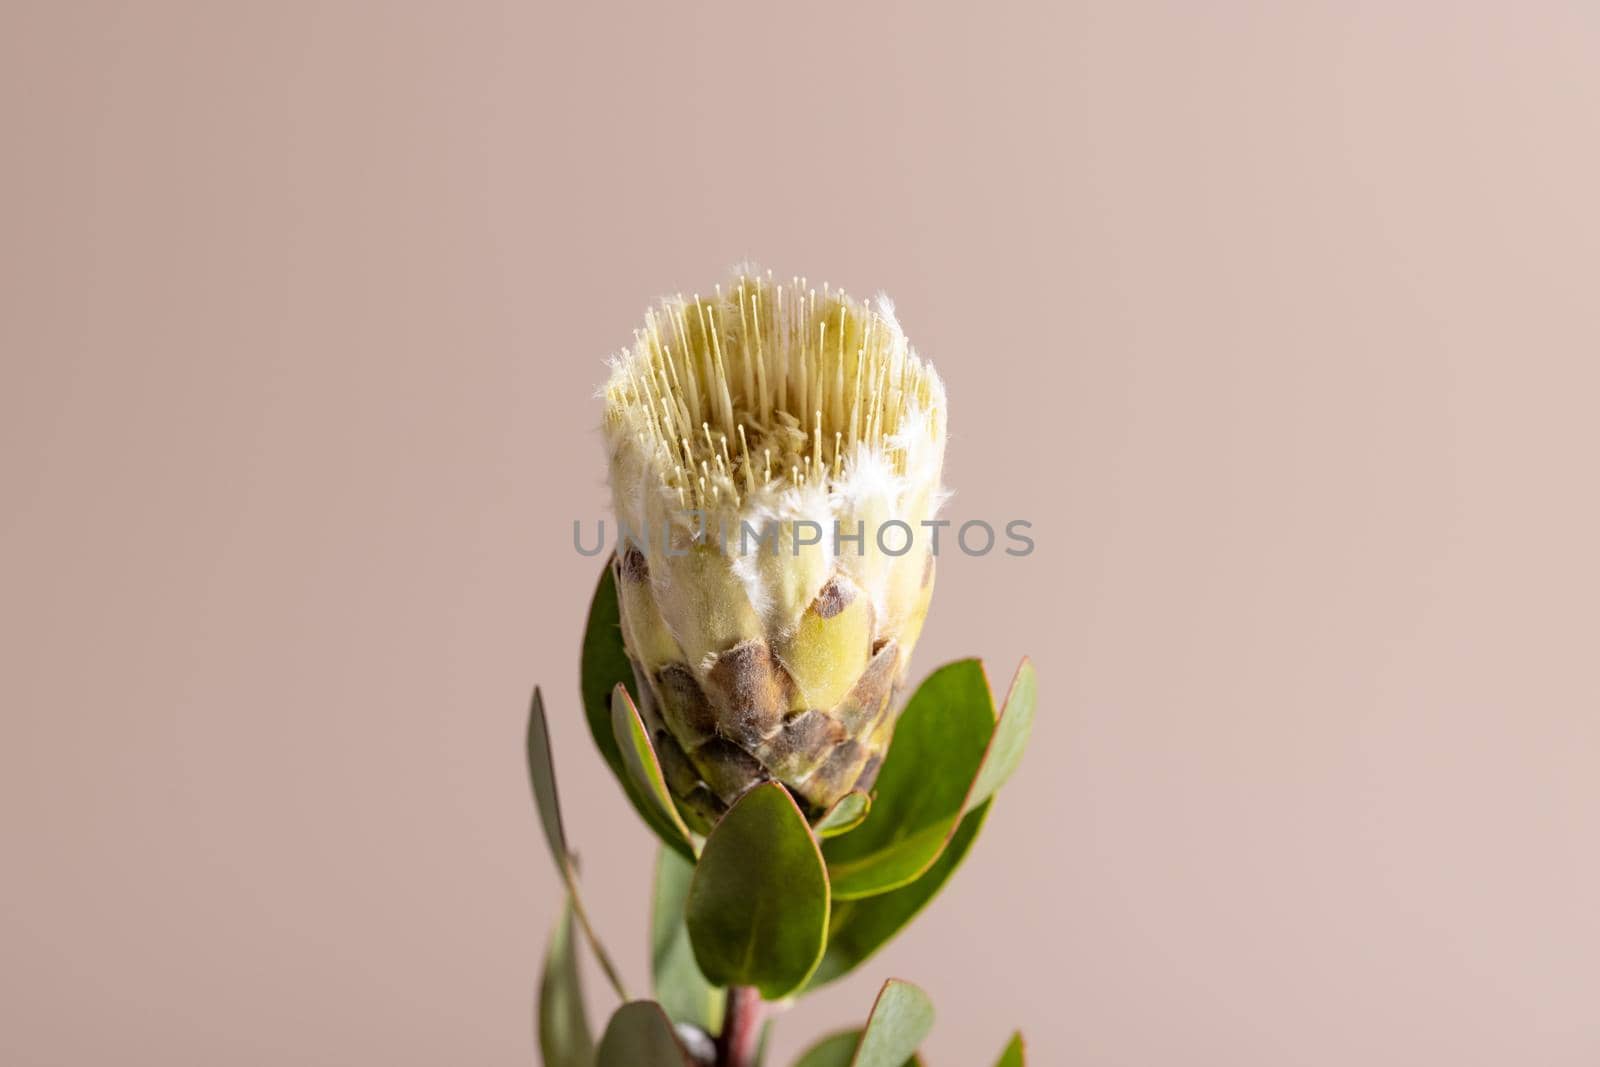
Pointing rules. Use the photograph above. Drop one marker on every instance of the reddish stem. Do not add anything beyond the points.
(741, 1028)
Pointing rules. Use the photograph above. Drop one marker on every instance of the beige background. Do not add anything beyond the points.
(1279, 320)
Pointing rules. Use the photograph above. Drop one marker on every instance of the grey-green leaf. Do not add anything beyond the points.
(758, 903)
(900, 1020)
(846, 814)
(683, 991)
(1010, 735)
(564, 1036)
(640, 762)
(640, 1035)
(1015, 1055)
(542, 771)
(859, 928)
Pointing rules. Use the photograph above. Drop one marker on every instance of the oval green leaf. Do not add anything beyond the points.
(641, 1035)
(683, 991)
(639, 760)
(900, 1019)
(757, 912)
(564, 1036)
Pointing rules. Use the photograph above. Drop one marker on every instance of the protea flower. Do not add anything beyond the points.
(774, 452)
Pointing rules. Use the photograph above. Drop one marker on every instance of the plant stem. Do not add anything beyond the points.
(741, 1028)
(607, 968)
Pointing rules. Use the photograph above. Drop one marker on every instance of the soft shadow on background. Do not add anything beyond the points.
(1278, 321)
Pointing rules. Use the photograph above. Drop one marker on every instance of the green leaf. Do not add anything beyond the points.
(564, 1037)
(542, 771)
(764, 1045)
(859, 928)
(900, 1019)
(835, 1050)
(639, 758)
(758, 904)
(1015, 1055)
(936, 753)
(641, 1035)
(845, 815)
(948, 756)
(838, 1050)
(683, 991)
(605, 666)
(896, 865)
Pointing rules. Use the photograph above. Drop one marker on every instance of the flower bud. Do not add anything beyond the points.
(773, 454)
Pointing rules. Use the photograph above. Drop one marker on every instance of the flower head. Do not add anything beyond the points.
(773, 453)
